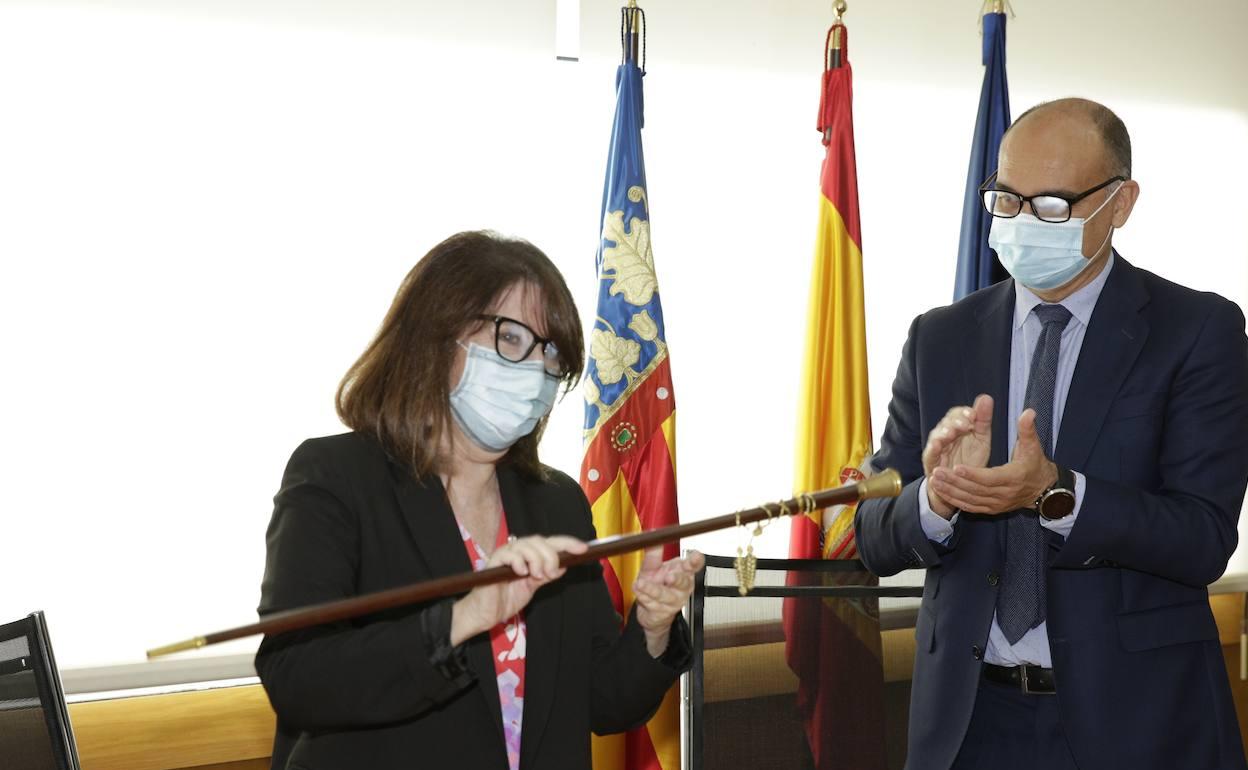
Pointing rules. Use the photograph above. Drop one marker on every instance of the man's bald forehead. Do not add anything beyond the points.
(1098, 118)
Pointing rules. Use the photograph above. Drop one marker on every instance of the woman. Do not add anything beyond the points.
(440, 475)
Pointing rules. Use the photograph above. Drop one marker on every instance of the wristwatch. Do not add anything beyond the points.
(1058, 501)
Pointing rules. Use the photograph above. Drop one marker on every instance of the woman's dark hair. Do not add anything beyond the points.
(398, 390)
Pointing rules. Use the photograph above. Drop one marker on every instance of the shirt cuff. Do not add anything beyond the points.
(1064, 525)
(937, 528)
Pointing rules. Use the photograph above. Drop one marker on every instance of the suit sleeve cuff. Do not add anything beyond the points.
(675, 660)
(679, 653)
(449, 661)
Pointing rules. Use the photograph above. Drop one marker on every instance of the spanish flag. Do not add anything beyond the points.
(834, 647)
(629, 470)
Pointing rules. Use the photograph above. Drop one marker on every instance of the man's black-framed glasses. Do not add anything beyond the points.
(514, 341)
(1047, 207)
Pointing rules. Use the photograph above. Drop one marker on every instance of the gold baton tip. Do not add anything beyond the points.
(886, 484)
(169, 649)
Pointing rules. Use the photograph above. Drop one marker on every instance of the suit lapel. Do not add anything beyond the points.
(1115, 336)
(986, 352)
(433, 528)
(987, 355)
(542, 618)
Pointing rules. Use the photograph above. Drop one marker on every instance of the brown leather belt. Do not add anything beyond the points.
(1032, 680)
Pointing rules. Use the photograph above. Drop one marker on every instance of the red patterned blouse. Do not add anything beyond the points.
(508, 641)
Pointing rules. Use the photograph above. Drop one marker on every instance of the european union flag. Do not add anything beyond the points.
(977, 264)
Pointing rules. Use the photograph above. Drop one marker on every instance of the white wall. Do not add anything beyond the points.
(205, 208)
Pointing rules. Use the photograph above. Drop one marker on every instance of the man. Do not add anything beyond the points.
(1075, 447)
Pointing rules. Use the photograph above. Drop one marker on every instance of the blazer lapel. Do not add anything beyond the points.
(1115, 336)
(433, 529)
(542, 619)
(431, 523)
(987, 355)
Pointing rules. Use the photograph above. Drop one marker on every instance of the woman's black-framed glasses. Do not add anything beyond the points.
(514, 341)
(1047, 207)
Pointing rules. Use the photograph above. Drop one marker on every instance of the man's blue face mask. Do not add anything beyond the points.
(1044, 255)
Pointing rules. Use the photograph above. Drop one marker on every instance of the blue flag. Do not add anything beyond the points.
(977, 264)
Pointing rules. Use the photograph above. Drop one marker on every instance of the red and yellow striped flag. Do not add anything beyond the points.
(629, 470)
(834, 647)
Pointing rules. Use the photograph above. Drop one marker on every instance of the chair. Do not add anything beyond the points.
(35, 733)
(744, 704)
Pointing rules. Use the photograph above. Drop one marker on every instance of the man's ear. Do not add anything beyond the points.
(1124, 201)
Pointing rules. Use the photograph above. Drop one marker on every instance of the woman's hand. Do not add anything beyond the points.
(662, 590)
(534, 558)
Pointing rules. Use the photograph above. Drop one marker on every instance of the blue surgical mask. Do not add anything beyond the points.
(498, 402)
(1043, 255)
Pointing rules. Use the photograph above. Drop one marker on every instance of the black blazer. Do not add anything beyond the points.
(363, 694)
(1157, 421)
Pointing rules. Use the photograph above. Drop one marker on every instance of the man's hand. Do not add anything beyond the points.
(1005, 488)
(963, 438)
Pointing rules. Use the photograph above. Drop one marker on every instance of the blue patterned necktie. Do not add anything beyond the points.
(1021, 600)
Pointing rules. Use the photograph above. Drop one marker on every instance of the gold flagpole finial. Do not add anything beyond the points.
(996, 6)
(838, 8)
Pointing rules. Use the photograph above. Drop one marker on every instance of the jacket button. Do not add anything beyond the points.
(993, 578)
(977, 652)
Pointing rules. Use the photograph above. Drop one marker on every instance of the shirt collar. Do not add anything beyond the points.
(1080, 304)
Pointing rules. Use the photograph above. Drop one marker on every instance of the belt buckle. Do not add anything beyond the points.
(1022, 672)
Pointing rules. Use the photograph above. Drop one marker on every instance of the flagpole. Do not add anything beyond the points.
(834, 55)
(994, 6)
(632, 26)
(833, 58)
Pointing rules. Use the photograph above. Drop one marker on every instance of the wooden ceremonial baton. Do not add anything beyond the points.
(885, 484)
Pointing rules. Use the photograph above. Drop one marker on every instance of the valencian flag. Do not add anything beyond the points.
(834, 646)
(629, 471)
(977, 265)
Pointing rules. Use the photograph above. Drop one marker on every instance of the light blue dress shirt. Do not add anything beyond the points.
(1033, 648)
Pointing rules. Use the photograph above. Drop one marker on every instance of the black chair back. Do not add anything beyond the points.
(35, 733)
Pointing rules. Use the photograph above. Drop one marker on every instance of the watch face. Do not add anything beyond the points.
(1057, 504)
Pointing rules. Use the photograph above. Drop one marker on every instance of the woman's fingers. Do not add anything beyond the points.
(695, 560)
(667, 590)
(652, 560)
(536, 556)
(658, 604)
(512, 557)
(567, 543)
(543, 560)
(674, 569)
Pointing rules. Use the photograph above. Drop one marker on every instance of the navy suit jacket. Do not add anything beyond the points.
(1157, 421)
